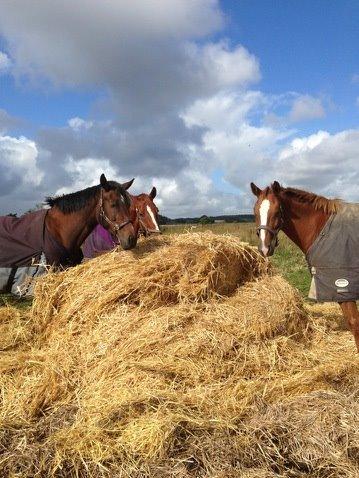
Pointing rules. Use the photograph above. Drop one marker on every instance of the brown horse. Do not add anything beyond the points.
(147, 213)
(54, 236)
(73, 217)
(144, 218)
(307, 220)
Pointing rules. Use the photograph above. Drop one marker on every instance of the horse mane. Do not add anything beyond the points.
(74, 202)
(320, 203)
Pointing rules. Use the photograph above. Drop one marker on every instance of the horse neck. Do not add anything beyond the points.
(72, 229)
(302, 222)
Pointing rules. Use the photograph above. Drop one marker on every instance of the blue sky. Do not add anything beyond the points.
(198, 98)
(305, 46)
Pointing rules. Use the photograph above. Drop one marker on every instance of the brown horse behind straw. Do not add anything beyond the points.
(326, 230)
(53, 237)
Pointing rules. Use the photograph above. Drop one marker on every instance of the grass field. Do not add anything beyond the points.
(288, 259)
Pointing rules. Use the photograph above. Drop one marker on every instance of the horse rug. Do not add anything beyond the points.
(98, 242)
(26, 248)
(333, 258)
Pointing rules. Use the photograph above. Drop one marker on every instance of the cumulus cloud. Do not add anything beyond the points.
(322, 162)
(19, 171)
(306, 107)
(231, 141)
(144, 52)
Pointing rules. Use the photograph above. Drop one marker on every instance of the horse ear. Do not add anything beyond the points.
(153, 193)
(104, 183)
(276, 187)
(255, 189)
(128, 184)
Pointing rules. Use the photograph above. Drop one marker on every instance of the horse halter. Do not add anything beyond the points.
(116, 227)
(143, 230)
(274, 241)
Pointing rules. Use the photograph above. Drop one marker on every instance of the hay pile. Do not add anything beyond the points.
(183, 358)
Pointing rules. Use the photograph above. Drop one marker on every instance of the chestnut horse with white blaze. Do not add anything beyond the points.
(327, 232)
(147, 213)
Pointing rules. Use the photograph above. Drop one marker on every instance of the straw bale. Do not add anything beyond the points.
(170, 370)
(160, 272)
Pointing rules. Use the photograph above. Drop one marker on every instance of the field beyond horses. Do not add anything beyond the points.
(187, 357)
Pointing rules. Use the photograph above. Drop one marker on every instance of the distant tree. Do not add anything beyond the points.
(164, 220)
(205, 220)
(12, 214)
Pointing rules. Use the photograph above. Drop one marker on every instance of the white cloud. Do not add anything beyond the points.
(355, 78)
(322, 162)
(78, 123)
(86, 172)
(18, 157)
(153, 56)
(306, 107)
(229, 67)
(225, 111)
(4, 62)
(231, 142)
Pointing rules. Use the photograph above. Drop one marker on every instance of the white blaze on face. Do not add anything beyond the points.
(263, 214)
(152, 216)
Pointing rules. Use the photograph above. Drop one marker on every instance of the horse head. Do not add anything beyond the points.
(268, 214)
(114, 211)
(147, 213)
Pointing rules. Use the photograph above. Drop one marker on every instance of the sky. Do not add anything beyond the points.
(195, 97)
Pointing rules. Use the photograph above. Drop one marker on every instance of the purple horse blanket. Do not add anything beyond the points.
(24, 239)
(98, 242)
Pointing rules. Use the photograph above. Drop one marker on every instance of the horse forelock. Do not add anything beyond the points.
(266, 191)
(121, 191)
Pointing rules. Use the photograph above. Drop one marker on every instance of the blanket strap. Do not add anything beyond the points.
(10, 280)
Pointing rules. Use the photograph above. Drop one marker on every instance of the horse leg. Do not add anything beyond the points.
(351, 314)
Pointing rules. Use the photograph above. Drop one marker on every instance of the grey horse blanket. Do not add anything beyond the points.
(333, 258)
(26, 247)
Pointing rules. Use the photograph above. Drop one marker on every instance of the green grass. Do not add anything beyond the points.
(9, 299)
(287, 259)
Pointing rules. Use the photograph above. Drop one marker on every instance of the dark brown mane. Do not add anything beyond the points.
(329, 206)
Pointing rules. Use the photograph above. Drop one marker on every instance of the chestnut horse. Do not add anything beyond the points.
(144, 217)
(302, 216)
(147, 213)
(54, 236)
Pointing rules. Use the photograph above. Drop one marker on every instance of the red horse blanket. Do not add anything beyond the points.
(24, 239)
